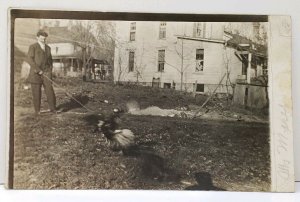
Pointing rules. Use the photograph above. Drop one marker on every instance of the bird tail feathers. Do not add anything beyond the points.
(124, 137)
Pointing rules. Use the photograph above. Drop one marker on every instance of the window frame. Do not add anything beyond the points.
(198, 26)
(132, 31)
(131, 56)
(199, 60)
(162, 34)
(161, 62)
(167, 85)
(201, 85)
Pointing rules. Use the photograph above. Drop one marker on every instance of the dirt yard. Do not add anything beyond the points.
(224, 149)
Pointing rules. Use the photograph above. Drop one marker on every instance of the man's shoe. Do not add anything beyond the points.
(60, 110)
(44, 111)
(54, 112)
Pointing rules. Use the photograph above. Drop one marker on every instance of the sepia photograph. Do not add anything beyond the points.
(156, 103)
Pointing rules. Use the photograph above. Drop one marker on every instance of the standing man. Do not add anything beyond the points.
(40, 60)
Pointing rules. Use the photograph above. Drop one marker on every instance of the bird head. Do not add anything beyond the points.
(100, 123)
(117, 111)
(99, 126)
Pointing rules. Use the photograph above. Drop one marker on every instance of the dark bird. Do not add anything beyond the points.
(117, 138)
(151, 164)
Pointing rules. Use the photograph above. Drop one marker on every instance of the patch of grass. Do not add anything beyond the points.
(62, 151)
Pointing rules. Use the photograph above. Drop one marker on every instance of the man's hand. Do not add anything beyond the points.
(40, 72)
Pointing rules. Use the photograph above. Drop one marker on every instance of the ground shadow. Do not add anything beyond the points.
(92, 119)
(204, 183)
(152, 165)
(72, 104)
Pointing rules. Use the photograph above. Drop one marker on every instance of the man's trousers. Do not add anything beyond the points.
(37, 94)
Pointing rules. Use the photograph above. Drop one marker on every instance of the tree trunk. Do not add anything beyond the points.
(181, 80)
(84, 64)
(181, 72)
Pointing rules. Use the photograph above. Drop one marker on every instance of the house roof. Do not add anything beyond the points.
(240, 43)
(201, 39)
(59, 35)
(235, 41)
(97, 61)
(65, 56)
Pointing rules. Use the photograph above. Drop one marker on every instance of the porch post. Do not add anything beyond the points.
(249, 68)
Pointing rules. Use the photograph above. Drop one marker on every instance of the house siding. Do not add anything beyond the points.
(147, 45)
(62, 49)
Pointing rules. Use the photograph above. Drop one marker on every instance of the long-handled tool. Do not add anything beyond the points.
(67, 93)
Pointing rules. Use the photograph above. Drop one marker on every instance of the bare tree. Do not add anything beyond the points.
(95, 38)
(227, 61)
(106, 40)
(139, 67)
(261, 37)
(184, 56)
(120, 68)
(83, 38)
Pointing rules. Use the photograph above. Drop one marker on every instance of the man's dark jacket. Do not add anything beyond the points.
(39, 60)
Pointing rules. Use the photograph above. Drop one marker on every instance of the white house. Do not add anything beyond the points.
(67, 54)
(64, 51)
(190, 56)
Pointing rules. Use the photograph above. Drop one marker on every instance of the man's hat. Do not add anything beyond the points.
(41, 33)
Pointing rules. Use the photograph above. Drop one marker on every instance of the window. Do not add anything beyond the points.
(156, 82)
(162, 30)
(199, 29)
(244, 67)
(132, 31)
(167, 85)
(199, 60)
(200, 88)
(131, 61)
(161, 60)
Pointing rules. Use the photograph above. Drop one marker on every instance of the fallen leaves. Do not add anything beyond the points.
(62, 152)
